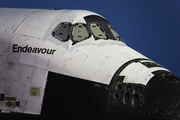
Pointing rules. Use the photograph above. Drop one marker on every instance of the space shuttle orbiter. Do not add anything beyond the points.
(72, 64)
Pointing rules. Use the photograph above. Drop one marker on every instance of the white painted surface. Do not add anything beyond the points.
(137, 73)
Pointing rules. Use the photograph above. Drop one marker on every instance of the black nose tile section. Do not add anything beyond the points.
(158, 100)
(162, 93)
(68, 97)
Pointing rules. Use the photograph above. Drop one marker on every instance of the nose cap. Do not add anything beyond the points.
(159, 99)
(162, 93)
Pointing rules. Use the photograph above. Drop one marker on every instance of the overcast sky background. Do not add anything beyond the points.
(151, 27)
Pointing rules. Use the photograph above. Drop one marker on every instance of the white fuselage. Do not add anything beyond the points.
(28, 51)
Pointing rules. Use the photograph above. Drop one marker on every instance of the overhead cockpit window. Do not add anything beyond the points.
(62, 31)
(79, 32)
(97, 32)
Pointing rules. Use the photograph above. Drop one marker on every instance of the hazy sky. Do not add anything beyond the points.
(152, 27)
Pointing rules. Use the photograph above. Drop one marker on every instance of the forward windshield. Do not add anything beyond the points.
(97, 26)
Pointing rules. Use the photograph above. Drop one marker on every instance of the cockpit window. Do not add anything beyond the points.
(62, 31)
(97, 32)
(114, 32)
(79, 32)
(95, 26)
(103, 25)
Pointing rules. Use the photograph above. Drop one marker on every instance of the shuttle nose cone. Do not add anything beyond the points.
(159, 99)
